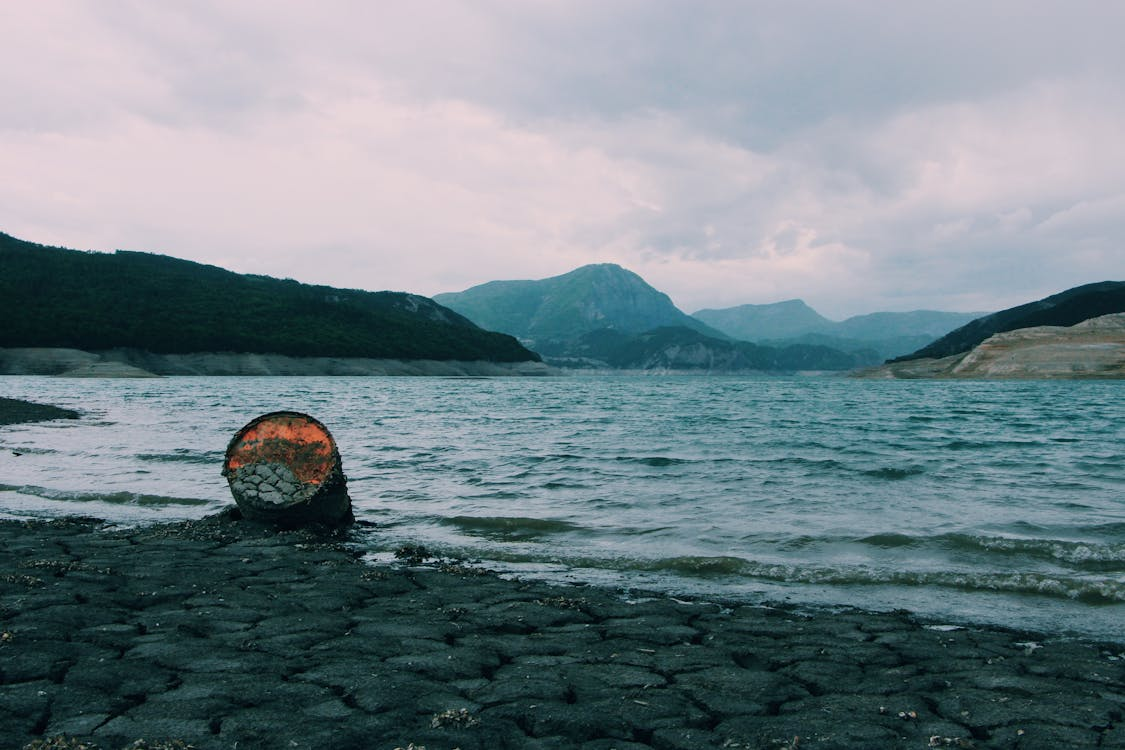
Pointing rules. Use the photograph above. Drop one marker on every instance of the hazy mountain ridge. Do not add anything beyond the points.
(886, 334)
(55, 297)
(604, 316)
(779, 320)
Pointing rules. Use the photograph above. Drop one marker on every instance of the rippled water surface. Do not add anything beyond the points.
(971, 501)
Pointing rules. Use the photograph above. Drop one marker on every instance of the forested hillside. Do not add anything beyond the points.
(54, 297)
(678, 348)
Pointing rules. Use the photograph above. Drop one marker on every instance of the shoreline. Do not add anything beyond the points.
(132, 363)
(220, 633)
(18, 411)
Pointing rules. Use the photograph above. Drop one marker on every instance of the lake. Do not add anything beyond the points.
(964, 501)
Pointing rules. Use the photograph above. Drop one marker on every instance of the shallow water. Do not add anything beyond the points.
(1000, 502)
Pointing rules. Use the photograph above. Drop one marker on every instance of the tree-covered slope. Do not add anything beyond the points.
(590, 298)
(54, 297)
(1063, 309)
(679, 348)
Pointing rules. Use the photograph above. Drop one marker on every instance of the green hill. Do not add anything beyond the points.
(1063, 309)
(54, 297)
(561, 308)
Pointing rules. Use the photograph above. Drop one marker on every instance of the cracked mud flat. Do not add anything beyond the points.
(221, 634)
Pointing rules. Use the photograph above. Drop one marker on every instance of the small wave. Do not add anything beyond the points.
(1088, 590)
(889, 540)
(29, 450)
(646, 532)
(510, 527)
(815, 463)
(966, 445)
(183, 456)
(115, 498)
(1081, 554)
(1116, 529)
(697, 565)
(894, 473)
(496, 495)
(653, 460)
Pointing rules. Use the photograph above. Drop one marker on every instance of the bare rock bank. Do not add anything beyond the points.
(218, 635)
(135, 363)
(1092, 349)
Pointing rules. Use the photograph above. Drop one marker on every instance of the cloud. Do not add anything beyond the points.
(881, 156)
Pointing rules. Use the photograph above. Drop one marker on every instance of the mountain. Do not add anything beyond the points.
(886, 334)
(548, 311)
(1094, 348)
(888, 325)
(780, 320)
(604, 316)
(1063, 309)
(55, 297)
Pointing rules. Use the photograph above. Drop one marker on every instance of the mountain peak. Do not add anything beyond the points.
(589, 298)
(778, 320)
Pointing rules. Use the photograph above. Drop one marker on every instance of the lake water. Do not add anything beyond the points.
(998, 502)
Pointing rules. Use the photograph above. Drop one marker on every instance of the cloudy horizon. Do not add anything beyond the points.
(859, 156)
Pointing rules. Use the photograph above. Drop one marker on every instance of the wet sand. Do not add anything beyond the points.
(223, 634)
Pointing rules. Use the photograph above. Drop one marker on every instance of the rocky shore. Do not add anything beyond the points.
(133, 363)
(223, 634)
(15, 411)
(1092, 349)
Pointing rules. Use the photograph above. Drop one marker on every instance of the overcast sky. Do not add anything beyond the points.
(862, 156)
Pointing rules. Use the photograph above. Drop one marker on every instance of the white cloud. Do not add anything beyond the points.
(728, 153)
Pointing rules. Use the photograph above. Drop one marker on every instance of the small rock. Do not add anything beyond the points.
(454, 717)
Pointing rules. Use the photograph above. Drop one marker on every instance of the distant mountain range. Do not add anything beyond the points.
(889, 334)
(54, 297)
(142, 313)
(606, 316)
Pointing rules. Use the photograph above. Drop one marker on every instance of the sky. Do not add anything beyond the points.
(862, 156)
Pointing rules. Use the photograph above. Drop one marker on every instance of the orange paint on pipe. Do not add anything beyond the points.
(293, 440)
